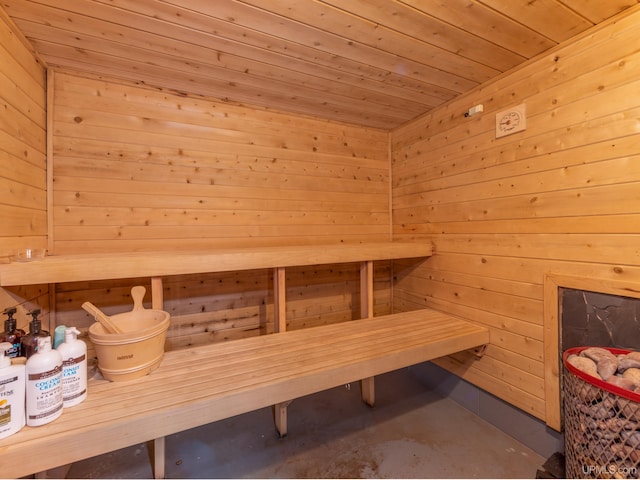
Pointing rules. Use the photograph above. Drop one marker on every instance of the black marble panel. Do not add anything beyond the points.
(597, 319)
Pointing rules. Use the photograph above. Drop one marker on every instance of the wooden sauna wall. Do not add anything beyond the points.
(562, 196)
(139, 169)
(23, 175)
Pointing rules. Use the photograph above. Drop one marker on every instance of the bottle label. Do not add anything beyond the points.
(53, 375)
(45, 390)
(14, 351)
(54, 407)
(5, 413)
(7, 391)
(74, 371)
(3, 385)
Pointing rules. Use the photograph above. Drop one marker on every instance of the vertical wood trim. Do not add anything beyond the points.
(553, 417)
(157, 293)
(279, 300)
(50, 79)
(51, 291)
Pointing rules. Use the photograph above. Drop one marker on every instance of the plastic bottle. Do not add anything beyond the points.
(74, 368)
(44, 384)
(30, 341)
(12, 334)
(12, 391)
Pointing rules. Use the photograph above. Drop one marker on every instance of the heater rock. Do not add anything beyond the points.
(597, 354)
(629, 360)
(620, 381)
(633, 374)
(585, 365)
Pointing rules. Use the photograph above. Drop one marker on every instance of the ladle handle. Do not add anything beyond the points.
(100, 316)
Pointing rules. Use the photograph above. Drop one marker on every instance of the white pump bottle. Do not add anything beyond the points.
(12, 391)
(74, 368)
(44, 384)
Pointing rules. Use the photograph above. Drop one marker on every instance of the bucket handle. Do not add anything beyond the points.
(137, 293)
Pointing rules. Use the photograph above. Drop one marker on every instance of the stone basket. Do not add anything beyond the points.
(602, 425)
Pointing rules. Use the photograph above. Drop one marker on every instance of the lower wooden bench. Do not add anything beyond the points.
(200, 385)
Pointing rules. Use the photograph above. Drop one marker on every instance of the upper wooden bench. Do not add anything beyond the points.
(199, 385)
(156, 265)
(107, 266)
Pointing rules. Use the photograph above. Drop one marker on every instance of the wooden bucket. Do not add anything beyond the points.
(135, 352)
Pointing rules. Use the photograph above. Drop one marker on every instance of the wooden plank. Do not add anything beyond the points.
(73, 268)
(245, 175)
(336, 27)
(562, 26)
(256, 373)
(488, 23)
(616, 224)
(403, 18)
(85, 153)
(138, 216)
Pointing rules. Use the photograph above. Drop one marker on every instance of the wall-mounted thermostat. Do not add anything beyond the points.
(510, 121)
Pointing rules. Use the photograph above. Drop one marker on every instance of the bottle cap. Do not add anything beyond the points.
(34, 325)
(58, 335)
(71, 334)
(10, 322)
(4, 360)
(44, 344)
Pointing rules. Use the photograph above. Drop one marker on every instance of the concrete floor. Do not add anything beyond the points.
(411, 433)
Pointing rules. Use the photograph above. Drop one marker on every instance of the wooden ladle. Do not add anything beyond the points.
(103, 318)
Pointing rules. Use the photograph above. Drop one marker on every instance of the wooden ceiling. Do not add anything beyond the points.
(376, 63)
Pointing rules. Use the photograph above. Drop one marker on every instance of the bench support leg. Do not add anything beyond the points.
(58, 472)
(280, 325)
(280, 418)
(368, 388)
(157, 453)
(157, 446)
(367, 385)
(157, 294)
